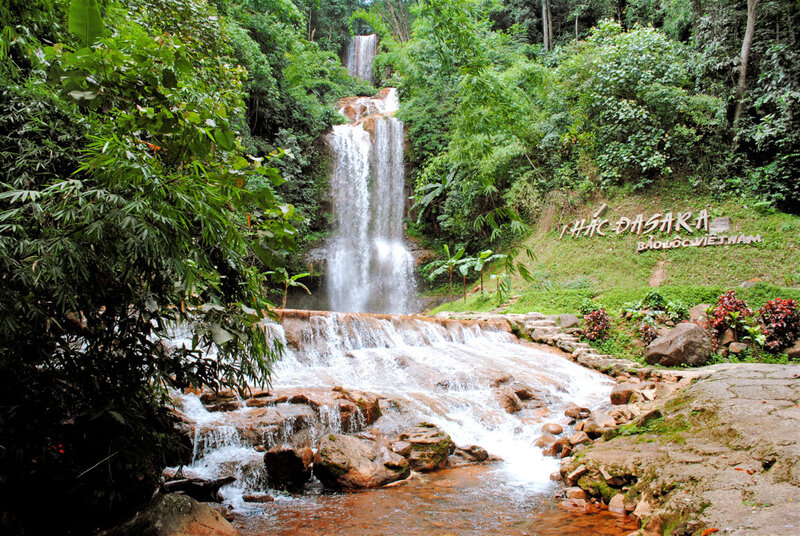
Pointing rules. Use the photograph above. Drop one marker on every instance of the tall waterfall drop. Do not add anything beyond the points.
(360, 53)
(369, 267)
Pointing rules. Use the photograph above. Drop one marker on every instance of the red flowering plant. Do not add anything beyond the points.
(730, 313)
(598, 324)
(647, 333)
(780, 322)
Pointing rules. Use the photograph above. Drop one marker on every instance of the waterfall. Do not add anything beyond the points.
(360, 53)
(369, 267)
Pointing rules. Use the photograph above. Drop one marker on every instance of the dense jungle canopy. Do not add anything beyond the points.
(164, 161)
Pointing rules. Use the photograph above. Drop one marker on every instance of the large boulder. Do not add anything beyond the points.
(428, 448)
(288, 468)
(175, 515)
(686, 344)
(347, 462)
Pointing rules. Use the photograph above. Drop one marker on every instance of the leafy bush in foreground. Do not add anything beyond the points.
(780, 322)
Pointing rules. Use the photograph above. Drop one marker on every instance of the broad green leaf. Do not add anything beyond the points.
(85, 21)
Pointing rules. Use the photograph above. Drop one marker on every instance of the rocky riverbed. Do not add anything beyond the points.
(683, 451)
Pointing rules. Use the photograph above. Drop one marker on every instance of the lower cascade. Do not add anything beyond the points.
(387, 381)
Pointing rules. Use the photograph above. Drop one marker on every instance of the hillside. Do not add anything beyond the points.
(610, 270)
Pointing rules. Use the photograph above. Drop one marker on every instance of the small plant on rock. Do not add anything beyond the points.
(598, 325)
(780, 322)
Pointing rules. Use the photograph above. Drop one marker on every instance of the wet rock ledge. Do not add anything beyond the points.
(722, 453)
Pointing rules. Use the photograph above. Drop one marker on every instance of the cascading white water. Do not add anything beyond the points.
(360, 53)
(447, 376)
(369, 267)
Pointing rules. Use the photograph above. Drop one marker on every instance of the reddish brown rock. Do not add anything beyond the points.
(575, 412)
(430, 448)
(176, 515)
(727, 337)
(687, 344)
(545, 441)
(578, 438)
(347, 462)
(621, 393)
(575, 493)
(552, 428)
(508, 400)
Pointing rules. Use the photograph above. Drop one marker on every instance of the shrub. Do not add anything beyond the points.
(598, 325)
(648, 333)
(780, 321)
(729, 313)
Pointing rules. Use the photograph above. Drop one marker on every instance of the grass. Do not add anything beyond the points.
(609, 270)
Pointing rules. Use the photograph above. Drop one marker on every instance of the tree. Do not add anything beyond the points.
(128, 210)
(547, 25)
(741, 85)
(438, 267)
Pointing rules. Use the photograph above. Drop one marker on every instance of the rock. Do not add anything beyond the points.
(430, 448)
(500, 379)
(575, 412)
(793, 352)
(697, 315)
(545, 441)
(645, 418)
(643, 510)
(621, 393)
(617, 503)
(575, 493)
(368, 403)
(258, 498)
(727, 337)
(577, 473)
(471, 454)
(567, 321)
(556, 476)
(509, 400)
(346, 462)
(602, 419)
(579, 437)
(287, 467)
(524, 391)
(403, 448)
(737, 347)
(559, 447)
(686, 344)
(552, 428)
(175, 515)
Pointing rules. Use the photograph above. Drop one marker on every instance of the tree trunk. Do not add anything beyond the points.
(481, 281)
(450, 271)
(285, 292)
(465, 288)
(752, 7)
(547, 25)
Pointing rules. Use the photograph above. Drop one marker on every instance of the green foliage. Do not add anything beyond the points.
(85, 21)
(129, 209)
